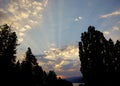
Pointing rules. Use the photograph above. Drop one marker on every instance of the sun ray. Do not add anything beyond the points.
(60, 16)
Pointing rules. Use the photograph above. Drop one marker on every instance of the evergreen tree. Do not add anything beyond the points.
(51, 78)
(27, 68)
(99, 58)
(8, 43)
(32, 73)
(38, 75)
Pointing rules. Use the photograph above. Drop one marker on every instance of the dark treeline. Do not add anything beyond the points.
(25, 73)
(100, 59)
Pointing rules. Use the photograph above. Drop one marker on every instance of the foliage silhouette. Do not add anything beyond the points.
(8, 43)
(100, 59)
(26, 73)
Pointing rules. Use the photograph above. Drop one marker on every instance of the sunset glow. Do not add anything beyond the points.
(61, 76)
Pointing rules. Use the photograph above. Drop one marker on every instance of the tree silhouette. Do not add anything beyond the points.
(99, 59)
(30, 69)
(51, 78)
(8, 43)
(38, 75)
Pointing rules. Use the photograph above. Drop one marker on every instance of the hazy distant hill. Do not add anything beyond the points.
(75, 79)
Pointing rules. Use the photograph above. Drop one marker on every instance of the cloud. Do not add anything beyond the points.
(115, 28)
(21, 34)
(68, 52)
(22, 15)
(2, 12)
(20, 40)
(115, 13)
(106, 32)
(78, 19)
(113, 32)
(110, 31)
(27, 27)
(58, 66)
(65, 59)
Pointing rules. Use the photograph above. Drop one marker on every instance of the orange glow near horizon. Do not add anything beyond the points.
(61, 76)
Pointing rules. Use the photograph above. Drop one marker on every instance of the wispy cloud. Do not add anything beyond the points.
(115, 13)
(22, 14)
(115, 28)
(78, 19)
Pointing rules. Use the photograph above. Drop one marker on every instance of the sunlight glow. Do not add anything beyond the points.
(61, 76)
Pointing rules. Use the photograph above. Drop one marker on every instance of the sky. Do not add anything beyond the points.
(52, 28)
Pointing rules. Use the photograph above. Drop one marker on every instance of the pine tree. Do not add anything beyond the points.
(100, 59)
(8, 44)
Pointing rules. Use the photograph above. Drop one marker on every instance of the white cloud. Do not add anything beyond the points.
(22, 30)
(68, 52)
(23, 14)
(27, 27)
(52, 53)
(61, 60)
(21, 34)
(58, 66)
(78, 19)
(20, 40)
(115, 28)
(65, 59)
(106, 32)
(115, 13)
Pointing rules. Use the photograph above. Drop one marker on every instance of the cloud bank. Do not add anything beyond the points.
(22, 15)
(64, 61)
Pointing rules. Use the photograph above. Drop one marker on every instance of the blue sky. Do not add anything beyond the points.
(52, 28)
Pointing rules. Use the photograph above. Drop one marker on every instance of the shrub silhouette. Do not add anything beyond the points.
(100, 59)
